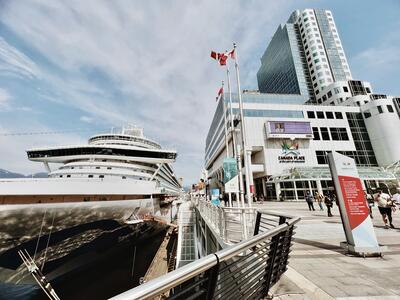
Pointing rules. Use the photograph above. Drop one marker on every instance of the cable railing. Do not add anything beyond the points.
(246, 270)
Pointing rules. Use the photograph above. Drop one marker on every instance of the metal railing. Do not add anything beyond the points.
(245, 270)
(232, 224)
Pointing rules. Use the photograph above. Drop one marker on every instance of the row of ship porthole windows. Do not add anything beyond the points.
(101, 176)
(109, 168)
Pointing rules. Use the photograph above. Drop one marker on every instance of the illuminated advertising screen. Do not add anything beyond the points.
(277, 129)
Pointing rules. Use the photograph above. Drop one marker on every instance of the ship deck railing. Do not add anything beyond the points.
(245, 270)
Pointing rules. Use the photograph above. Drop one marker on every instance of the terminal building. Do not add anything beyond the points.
(307, 104)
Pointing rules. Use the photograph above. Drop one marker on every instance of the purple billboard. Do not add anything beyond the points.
(289, 127)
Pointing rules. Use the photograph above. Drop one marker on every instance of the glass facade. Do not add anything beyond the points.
(364, 154)
(282, 68)
(267, 98)
(216, 126)
(331, 47)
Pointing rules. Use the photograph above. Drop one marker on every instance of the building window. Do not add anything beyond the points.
(320, 115)
(322, 158)
(367, 114)
(314, 78)
(390, 108)
(364, 154)
(316, 133)
(380, 110)
(337, 90)
(311, 115)
(339, 134)
(325, 134)
(329, 114)
(329, 94)
(316, 61)
(345, 89)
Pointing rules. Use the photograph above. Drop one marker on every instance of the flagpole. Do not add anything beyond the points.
(224, 112)
(226, 133)
(235, 153)
(246, 149)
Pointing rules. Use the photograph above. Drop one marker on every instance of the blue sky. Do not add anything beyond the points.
(92, 65)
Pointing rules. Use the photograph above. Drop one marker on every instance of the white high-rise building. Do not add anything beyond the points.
(324, 52)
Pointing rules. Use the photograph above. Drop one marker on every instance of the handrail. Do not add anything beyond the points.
(173, 279)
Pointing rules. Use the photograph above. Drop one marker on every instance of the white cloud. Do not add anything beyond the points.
(5, 98)
(86, 119)
(144, 63)
(14, 62)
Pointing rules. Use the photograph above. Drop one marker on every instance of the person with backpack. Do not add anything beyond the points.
(310, 199)
(329, 203)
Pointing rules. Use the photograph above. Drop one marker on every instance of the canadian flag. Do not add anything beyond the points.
(223, 57)
(220, 92)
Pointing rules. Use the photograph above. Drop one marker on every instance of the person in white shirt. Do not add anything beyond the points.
(385, 207)
(396, 197)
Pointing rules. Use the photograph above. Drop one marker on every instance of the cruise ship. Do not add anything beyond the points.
(113, 166)
(116, 192)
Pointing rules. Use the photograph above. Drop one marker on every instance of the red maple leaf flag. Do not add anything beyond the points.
(214, 55)
(231, 53)
(220, 57)
(220, 92)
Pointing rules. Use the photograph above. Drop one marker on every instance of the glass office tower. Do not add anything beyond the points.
(304, 56)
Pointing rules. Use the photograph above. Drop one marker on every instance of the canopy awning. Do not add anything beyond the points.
(323, 173)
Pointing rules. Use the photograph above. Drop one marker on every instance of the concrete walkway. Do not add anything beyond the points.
(320, 269)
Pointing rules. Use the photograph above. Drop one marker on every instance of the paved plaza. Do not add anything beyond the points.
(320, 269)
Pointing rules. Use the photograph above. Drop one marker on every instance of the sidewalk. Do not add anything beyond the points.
(320, 269)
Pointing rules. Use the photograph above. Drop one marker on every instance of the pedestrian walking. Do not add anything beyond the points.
(226, 199)
(310, 199)
(385, 205)
(262, 199)
(329, 203)
(319, 198)
(396, 197)
(370, 201)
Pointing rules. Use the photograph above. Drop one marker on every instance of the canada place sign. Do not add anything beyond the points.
(290, 153)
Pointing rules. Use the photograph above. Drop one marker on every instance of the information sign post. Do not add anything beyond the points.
(357, 224)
